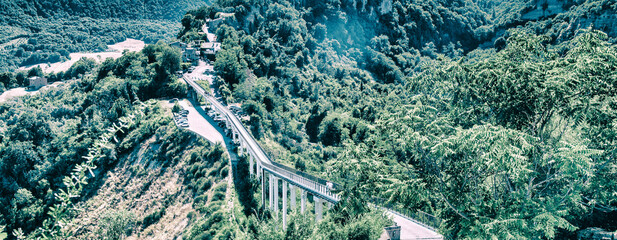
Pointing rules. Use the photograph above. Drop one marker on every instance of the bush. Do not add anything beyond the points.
(153, 217)
(221, 187)
(331, 132)
(218, 196)
(224, 172)
(176, 108)
(116, 225)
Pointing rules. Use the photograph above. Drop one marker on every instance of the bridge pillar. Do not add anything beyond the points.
(245, 148)
(318, 208)
(270, 193)
(251, 165)
(259, 169)
(263, 191)
(292, 189)
(302, 201)
(275, 185)
(284, 204)
(240, 148)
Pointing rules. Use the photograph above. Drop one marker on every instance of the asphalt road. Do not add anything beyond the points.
(201, 125)
(410, 230)
(198, 72)
(208, 128)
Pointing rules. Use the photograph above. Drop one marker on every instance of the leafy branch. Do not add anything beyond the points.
(56, 227)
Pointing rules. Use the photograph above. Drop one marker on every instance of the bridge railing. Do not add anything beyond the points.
(320, 186)
(420, 217)
(304, 180)
(306, 175)
(317, 184)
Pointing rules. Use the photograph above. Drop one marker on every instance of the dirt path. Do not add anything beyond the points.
(18, 92)
(15, 92)
(115, 51)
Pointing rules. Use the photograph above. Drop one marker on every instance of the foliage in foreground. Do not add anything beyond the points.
(349, 219)
(45, 136)
(516, 145)
(515, 142)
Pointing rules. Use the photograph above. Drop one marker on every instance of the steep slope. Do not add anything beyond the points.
(559, 20)
(47, 135)
(485, 138)
(563, 25)
(160, 188)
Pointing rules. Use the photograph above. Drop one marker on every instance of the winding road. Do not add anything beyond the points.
(410, 229)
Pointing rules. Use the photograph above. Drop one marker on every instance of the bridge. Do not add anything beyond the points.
(272, 174)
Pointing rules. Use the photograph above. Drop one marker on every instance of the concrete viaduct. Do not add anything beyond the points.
(272, 174)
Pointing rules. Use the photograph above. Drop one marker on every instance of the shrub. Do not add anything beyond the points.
(218, 196)
(116, 225)
(153, 217)
(176, 108)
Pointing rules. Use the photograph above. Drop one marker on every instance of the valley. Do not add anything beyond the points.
(240, 119)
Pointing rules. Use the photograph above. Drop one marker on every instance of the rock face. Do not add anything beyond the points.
(596, 234)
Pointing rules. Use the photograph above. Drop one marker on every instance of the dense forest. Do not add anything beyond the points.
(90, 127)
(498, 117)
(42, 31)
(46, 136)
(123, 9)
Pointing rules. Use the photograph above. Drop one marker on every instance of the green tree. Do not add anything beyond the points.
(8, 80)
(35, 72)
(26, 210)
(176, 108)
(21, 79)
(187, 21)
(320, 32)
(80, 68)
(312, 123)
(332, 132)
(168, 62)
(116, 225)
(231, 66)
(494, 182)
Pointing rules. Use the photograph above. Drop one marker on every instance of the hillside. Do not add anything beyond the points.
(15, 10)
(45, 137)
(157, 190)
(42, 31)
(494, 117)
(561, 24)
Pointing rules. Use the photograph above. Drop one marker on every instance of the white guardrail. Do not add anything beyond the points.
(319, 187)
(303, 180)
